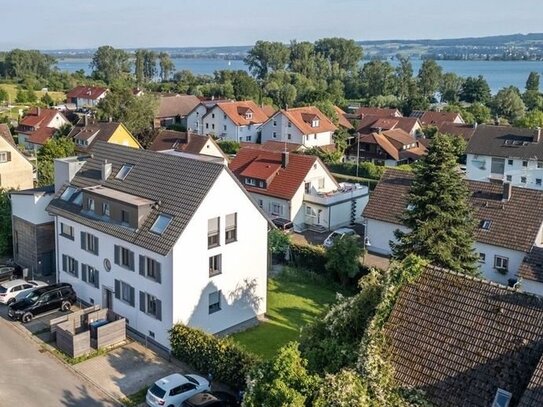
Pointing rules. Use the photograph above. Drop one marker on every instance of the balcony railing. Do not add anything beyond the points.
(346, 192)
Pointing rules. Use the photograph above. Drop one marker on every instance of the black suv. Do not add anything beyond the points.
(43, 299)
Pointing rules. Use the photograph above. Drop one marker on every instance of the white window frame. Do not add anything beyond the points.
(501, 263)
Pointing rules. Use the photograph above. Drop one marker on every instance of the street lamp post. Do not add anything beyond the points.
(357, 151)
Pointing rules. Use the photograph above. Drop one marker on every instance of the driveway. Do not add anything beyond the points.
(32, 377)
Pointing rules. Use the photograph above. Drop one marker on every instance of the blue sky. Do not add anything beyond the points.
(176, 23)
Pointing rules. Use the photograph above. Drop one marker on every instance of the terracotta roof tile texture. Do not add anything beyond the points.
(179, 141)
(531, 267)
(271, 145)
(37, 117)
(41, 135)
(459, 339)
(342, 118)
(286, 181)
(435, 118)
(513, 224)
(378, 111)
(299, 117)
(86, 92)
(5, 133)
(236, 111)
(369, 124)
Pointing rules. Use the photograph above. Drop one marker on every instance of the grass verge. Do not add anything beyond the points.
(135, 399)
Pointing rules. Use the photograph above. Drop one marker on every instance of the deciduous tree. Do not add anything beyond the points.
(267, 56)
(109, 64)
(429, 78)
(5, 222)
(54, 148)
(508, 104)
(475, 90)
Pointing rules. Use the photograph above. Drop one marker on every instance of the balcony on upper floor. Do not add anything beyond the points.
(346, 192)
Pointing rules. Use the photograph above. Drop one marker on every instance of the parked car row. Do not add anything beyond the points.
(177, 390)
(28, 299)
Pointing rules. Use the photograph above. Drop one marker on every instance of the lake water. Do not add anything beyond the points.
(499, 74)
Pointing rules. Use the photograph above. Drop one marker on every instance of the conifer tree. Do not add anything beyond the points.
(438, 215)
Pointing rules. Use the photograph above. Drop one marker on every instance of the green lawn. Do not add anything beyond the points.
(12, 92)
(292, 303)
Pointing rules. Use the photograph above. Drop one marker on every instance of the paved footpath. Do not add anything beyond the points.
(33, 378)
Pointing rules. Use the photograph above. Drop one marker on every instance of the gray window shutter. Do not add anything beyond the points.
(95, 245)
(158, 273)
(159, 310)
(131, 260)
(117, 250)
(96, 278)
(9, 155)
(76, 265)
(84, 272)
(117, 289)
(83, 241)
(142, 301)
(64, 262)
(142, 265)
(132, 295)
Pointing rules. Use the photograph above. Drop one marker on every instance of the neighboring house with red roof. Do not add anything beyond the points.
(371, 123)
(430, 118)
(15, 170)
(342, 118)
(307, 126)
(174, 109)
(507, 236)
(390, 147)
(276, 146)
(86, 96)
(189, 143)
(234, 120)
(378, 111)
(37, 126)
(298, 188)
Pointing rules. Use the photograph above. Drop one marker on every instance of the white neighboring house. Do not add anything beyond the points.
(298, 188)
(504, 153)
(161, 239)
(509, 225)
(307, 126)
(235, 121)
(86, 96)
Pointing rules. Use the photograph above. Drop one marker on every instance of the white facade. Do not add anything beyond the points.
(84, 102)
(280, 128)
(218, 123)
(185, 281)
(195, 119)
(31, 207)
(519, 172)
(379, 235)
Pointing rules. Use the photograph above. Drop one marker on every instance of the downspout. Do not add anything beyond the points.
(56, 250)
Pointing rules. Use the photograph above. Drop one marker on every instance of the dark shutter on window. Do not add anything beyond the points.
(83, 240)
(159, 310)
(158, 273)
(96, 278)
(142, 265)
(64, 262)
(117, 289)
(117, 250)
(95, 245)
(84, 272)
(131, 260)
(9, 155)
(132, 295)
(142, 301)
(76, 268)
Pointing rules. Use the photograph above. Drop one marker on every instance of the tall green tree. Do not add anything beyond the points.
(429, 78)
(404, 77)
(531, 97)
(531, 120)
(450, 87)
(267, 56)
(532, 83)
(480, 112)
(110, 64)
(5, 222)
(342, 259)
(341, 51)
(166, 65)
(377, 78)
(4, 96)
(54, 148)
(439, 216)
(475, 90)
(508, 104)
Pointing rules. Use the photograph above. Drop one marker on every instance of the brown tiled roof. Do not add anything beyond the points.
(179, 141)
(268, 110)
(301, 118)
(459, 339)
(531, 267)
(462, 130)
(5, 133)
(505, 141)
(86, 92)
(176, 105)
(369, 124)
(342, 118)
(435, 118)
(102, 130)
(393, 141)
(378, 111)
(41, 135)
(513, 224)
(533, 395)
(273, 146)
(286, 181)
(37, 117)
(236, 112)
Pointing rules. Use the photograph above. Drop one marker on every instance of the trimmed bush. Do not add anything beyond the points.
(309, 257)
(224, 359)
(229, 146)
(366, 169)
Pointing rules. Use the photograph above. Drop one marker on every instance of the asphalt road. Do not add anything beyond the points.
(30, 378)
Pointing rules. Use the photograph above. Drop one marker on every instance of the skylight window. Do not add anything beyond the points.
(502, 398)
(161, 223)
(124, 171)
(78, 200)
(485, 224)
(68, 193)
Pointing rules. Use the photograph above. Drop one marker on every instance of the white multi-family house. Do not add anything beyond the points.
(509, 224)
(298, 188)
(307, 126)
(508, 154)
(160, 239)
(231, 120)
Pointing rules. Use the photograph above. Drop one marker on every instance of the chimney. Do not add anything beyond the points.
(66, 168)
(537, 135)
(39, 111)
(507, 190)
(106, 170)
(110, 119)
(379, 130)
(86, 120)
(284, 159)
(475, 125)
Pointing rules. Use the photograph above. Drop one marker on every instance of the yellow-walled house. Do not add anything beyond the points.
(87, 131)
(16, 172)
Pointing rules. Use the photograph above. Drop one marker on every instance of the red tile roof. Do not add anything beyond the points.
(271, 145)
(301, 117)
(86, 92)
(237, 112)
(5, 133)
(436, 118)
(342, 119)
(41, 135)
(285, 182)
(371, 123)
(261, 169)
(37, 117)
(378, 111)
(393, 141)
(179, 141)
